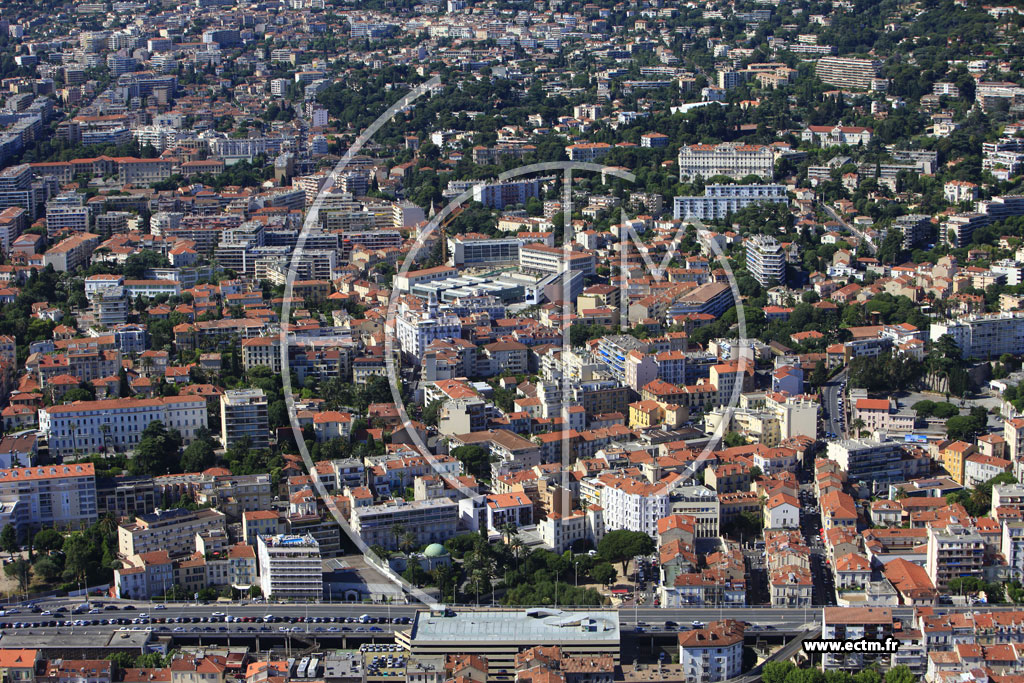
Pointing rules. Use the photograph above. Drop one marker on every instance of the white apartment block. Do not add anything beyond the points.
(416, 328)
(984, 336)
(633, 505)
(541, 258)
(766, 260)
(731, 159)
(60, 496)
(953, 553)
(429, 521)
(721, 200)
(90, 426)
(712, 654)
(290, 567)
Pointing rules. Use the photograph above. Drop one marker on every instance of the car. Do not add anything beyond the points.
(179, 629)
(110, 607)
(160, 606)
(47, 613)
(639, 629)
(296, 629)
(697, 624)
(376, 628)
(128, 607)
(218, 614)
(333, 629)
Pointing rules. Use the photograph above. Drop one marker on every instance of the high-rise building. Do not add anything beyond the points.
(954, 552)
(846, 72)
(243, 414)
(984, 336)
(766, 260)
(290, 567)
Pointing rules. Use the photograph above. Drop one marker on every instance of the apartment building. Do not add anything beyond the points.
(290, 567)
(876, 462)
(429, 521)
(632, 504)
(984, 336)
(173, 530)
(476, 249)
(721, 200)
(60, 496)
(243, 415)
(416, 328)
(540, 258)
(67, 213)
(71, 253)
(846, 72)
(855, 623)
(766, 260)
(501, 195)
(954, 552)
(702, 504)
(735, 160)
(588, 151)
(91, 426)
(713, 653)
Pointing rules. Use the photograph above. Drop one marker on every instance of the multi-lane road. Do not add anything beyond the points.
(832, 393)
(288, 615)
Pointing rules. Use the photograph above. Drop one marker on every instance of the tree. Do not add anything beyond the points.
(122, 660)
(431, 413)
(9, 539)
(622, 546)
(46, 540)
(776, 672)
(21, 571)
(157, 452)
(603, 573)
(198, 456)
(79, 555)
(474, 459)
(47, 569)
(900, 674)
(150, 660)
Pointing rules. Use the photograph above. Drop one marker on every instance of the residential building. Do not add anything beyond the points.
(172, 530)
(712, 653)
(736, 160)
(954, 552)
(721, 200)
(92, 426)
(851, 624)
(766, 260)
(290, 567)
(428, 521)
(243, 415)
(61, 496)
(846, 72)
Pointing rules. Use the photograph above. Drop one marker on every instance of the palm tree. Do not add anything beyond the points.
(397, 530)
(857, 425)
(518, 548)
(407, 541)
(508, 531)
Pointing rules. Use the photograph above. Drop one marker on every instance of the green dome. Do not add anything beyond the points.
(435, 550)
